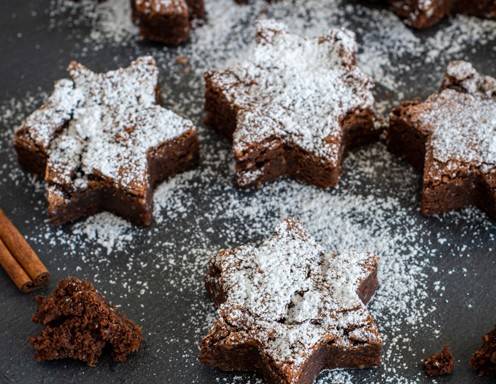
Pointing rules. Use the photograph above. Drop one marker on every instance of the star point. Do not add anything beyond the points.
(451, 137)
(293, 107)
(104, 142)
(288, 309)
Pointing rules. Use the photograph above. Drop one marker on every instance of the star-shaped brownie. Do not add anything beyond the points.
(293, 107)
(452, 137)
(102, 142)
(426, 13)
(166, 21)
(287, 309)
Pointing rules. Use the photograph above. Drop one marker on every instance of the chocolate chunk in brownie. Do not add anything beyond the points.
(294, 107)
(79, 323)
(102, 142)
(439, 364)
(484, 359)
(452, 137)
(288, 309)
(425, 13)
(166, 21)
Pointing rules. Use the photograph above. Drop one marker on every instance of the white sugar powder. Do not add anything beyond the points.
(109, 231)
(278, 92)
(389, 51)
(287, 284)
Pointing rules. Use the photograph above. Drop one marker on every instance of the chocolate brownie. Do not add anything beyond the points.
(288, 309)
(484, 359)
(294, 107)
(425, 13)
(102, 142)
(79, 324)
(439, 364)
(166, 21)
(451, 137)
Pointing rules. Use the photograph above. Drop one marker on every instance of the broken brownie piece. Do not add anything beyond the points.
(294, 108)
(79, 324)
(439, 364)
(451, 137)
(166, 21)
(425, 13)
(102, 142)
(288, 309)
(484, 359)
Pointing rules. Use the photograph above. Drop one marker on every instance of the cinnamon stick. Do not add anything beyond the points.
(22, 251)
(14, 270)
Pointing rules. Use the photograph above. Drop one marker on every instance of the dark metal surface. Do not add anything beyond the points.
(31, 58)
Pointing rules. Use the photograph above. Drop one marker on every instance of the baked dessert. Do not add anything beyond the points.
(294, 107)
(166, 21)
(439, 364)
(484, 359)
(451, 137)
(102, 142)
(79, 324)
(425, 13)
(288, 309)
(422, 14)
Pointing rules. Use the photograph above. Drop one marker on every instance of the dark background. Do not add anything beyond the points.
(32, 56)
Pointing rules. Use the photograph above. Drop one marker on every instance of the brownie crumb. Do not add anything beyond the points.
(424, 14)
(79, 323)
(440, 364)
(484, 359)
(182, 60)
(166, 21)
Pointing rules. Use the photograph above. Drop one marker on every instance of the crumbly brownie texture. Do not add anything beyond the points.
(425, 13)
(102, 142)
(287, 309)
(452, 137)
(166, 21)
(79, 324)
(294, 107)
(439, 364)
(484, 359)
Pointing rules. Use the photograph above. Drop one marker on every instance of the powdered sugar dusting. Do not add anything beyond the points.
(389, 51)
(465, 128)
(159, 5)
(278, 92)
(108, 230)
(109, 21)
(54, 113)
(360, 214)
(101, 127)
(462, 118)
(289, 295)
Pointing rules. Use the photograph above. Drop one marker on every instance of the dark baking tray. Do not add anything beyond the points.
(174, 311)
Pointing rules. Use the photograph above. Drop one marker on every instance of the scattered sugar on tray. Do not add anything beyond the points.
(109, 21)
(109, 231)
(461, 33)
(390, 51)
